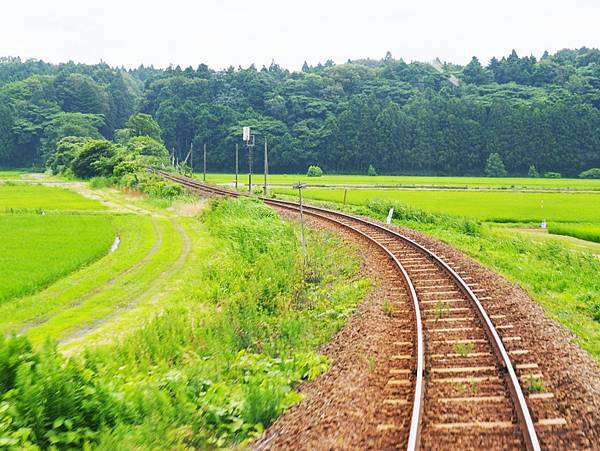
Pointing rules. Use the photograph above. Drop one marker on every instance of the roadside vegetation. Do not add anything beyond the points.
(211, 369)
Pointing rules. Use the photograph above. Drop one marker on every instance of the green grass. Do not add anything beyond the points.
(127, 288)
(138, 237)
(12, 174)
(588, 232)
(217, 364)
(37, 250)
(470, 182)
(501, 206)
(21, 196)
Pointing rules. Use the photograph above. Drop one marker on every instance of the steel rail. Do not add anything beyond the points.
(521, 408)
(523, 415)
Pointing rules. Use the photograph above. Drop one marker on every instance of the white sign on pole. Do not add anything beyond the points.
(246, 133)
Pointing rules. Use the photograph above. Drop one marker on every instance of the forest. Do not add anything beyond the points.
(401, 118)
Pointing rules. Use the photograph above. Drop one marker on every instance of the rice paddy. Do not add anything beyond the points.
(494, 206)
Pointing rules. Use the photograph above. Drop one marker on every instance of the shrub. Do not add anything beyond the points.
(94, 159)
(494, 166)
(552, 175)
(314, 171)
(593, 173)
(371, 171)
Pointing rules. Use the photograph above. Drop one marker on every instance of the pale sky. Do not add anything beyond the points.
(241, 32)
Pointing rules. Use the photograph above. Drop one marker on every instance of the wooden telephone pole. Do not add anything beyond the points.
(237, 158)
(266, 167)
(204, 163)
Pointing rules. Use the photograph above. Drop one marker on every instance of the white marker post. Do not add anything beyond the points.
(390, 216)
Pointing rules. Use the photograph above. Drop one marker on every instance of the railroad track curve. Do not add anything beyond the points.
(452, 376)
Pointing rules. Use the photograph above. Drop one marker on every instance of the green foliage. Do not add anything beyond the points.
(463, 349)
(96, 157)
(154, 185)
(593, 173)
(468, 226)
(66, 151)
(371, 171)
(552, 175)
(387, 307)
(314, 171)
(408, 118)
(494, 166)
(57, 401)
(535, 384)
(142, 124)
(147, 146)
(533, 172)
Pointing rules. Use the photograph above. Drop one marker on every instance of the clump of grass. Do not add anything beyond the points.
(440, 310)
(535, 384)
(372, 363)
(463, 349)
(387, 307)
(474, 388)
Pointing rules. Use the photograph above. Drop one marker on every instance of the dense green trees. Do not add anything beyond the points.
(42, 103)
(402, 118)
(494, 166)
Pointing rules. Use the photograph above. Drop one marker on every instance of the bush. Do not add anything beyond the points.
(371, 171)
(314, 171)
(95, 158)
(593, 173)
(552, 175)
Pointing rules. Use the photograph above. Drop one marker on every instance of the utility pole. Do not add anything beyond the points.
(205, 162)
(192, 157)
(237, 152)
(266, 167)
(250, 169)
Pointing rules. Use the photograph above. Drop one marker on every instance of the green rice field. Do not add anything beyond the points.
(458, 182)
(21, 196)
(498, 206)
(37, 250)
(588, 232)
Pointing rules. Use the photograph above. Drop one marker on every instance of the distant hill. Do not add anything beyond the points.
(400, 117)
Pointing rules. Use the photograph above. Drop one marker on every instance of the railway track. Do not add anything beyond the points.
(452, 375)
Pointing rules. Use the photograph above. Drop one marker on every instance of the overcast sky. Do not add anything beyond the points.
(221, 33)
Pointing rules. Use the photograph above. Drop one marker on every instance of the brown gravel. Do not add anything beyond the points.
(342, 408)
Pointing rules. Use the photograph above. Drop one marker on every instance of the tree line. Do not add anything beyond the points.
(398, 117)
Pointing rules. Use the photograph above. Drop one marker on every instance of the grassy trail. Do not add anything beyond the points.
(148, 294)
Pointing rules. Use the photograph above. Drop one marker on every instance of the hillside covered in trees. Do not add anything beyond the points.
(401, 118)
